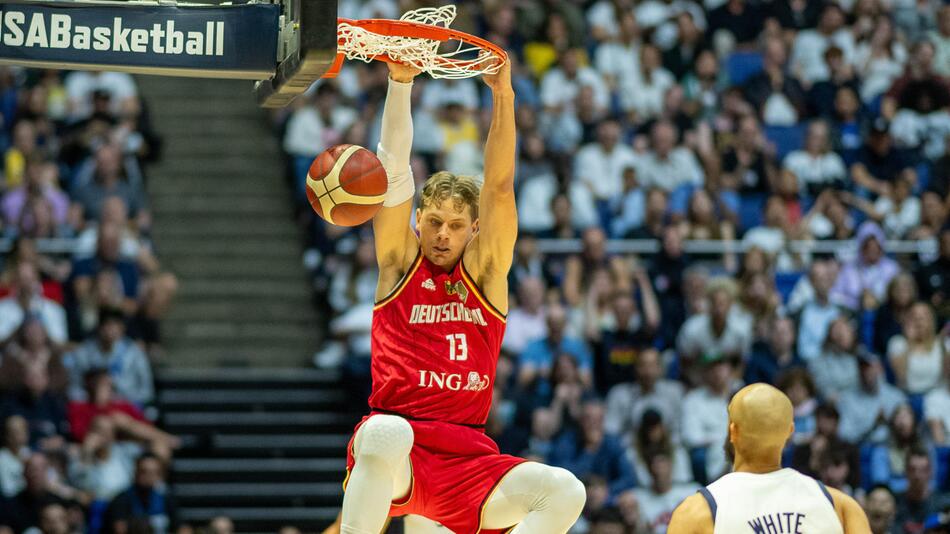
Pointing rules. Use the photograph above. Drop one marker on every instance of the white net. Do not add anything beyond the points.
(453, 59)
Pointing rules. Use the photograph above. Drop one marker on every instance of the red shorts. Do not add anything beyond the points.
(454, 471)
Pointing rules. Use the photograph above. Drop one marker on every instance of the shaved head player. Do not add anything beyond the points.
(437, 328)
(760, 497)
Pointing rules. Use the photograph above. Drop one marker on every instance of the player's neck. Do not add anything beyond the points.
(743, 465)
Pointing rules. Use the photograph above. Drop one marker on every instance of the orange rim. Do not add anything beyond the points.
(418, 30)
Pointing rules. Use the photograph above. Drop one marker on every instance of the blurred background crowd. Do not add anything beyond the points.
(82, 294)
(710, 193)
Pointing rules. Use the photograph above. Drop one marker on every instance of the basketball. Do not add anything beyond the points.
(346, 185)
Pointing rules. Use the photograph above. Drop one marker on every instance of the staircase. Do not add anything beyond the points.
(264, 447)
(224, 226)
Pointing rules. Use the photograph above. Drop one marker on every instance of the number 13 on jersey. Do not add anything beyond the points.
(458, 347)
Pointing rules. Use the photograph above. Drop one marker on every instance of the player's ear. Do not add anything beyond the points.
(475, 226)
(418, 218)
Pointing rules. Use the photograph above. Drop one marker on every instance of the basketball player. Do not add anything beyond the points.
(437, 329)
(760, 497)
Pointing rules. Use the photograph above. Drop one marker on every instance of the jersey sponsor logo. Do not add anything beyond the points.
(445, 313)
(452, 381)
(428, 284)
(779, 523)
(458, 288)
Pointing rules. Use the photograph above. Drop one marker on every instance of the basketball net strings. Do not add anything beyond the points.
(464, 61)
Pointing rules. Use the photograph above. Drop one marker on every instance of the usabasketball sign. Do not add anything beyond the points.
(229, 41)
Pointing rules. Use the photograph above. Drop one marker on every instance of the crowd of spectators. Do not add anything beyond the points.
(748, 127)
(81, 296)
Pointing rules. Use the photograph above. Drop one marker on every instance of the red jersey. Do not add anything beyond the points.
(435, 347)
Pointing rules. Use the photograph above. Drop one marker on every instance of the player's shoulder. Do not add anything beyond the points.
(692, 516)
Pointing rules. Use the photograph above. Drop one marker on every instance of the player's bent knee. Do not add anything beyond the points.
(386, 437)
(569, 492)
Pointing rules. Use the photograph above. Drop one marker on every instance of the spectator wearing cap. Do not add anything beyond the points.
(110, 349)
(836, 369)
(721, 331)
(933, 279)
(27, 301)
(810, 45)
(920, 355)
(866, 409)
(146, 499)
(591, 451)
(880, 163)
(920, 499)
(654, 435)
(817, 166)
(705, 421)
(628, 402)
(772, 357)
(862, 282)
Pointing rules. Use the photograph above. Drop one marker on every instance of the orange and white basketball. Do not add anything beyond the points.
(346, 185)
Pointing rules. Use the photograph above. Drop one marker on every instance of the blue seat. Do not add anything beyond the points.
(865, 465)
(751, 208)
(786, 138)
(943, 468)
(741, 66)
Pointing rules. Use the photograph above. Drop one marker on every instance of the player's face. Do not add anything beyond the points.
(444, 231)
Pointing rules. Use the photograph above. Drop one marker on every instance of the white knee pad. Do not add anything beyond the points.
(386, 437)
(568, 493)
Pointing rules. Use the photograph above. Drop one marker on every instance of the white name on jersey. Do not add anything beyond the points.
(444, 313)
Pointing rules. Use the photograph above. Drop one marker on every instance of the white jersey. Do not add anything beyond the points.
(781, 502)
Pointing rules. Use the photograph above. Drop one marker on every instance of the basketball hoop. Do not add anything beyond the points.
(419, 38)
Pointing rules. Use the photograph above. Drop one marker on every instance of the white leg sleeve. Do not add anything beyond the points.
(540, 499)
(381, 472)
(395, 143)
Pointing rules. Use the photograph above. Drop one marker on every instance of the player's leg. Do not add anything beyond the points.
(381, 473)
(540, 499)
(416, 524)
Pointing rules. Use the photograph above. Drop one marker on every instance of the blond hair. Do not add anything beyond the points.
(442, 186)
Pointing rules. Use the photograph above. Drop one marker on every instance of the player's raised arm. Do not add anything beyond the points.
(396, 243)
(498, 216)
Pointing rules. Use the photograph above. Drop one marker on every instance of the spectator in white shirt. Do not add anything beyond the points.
(560, 85)
(313, 128)
(720, 330)
(619, 57)
(937, 411)
(705, 423)
(817, 310)
(809, 47)
(666, 165)
(627, 402)
(526, 322)
(865, 410)
(80, 86)
(836, 369)
(602, 18)
(940, 37)
(15, 451)
(641, 95)
(440, 92)
(599, 166)
(816, 167)
(658, 501)
(897, 210)
(105, 467)
(921, 354)
(27, 299)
